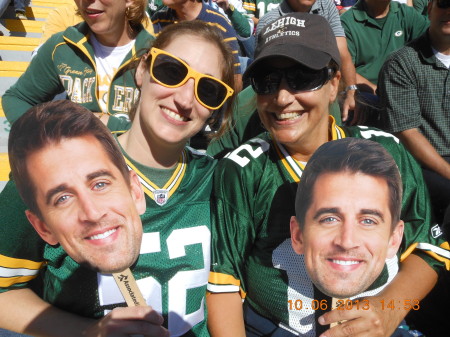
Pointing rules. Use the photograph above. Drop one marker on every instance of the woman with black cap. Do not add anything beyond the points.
(296, 75)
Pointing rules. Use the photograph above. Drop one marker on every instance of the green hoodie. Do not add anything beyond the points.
(66, 63)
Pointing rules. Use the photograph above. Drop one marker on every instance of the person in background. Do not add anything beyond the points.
(344, 5)
(59, 19)
(186, 10)
(19, 9)
(415, 95)
(375, 29)
(258, 8)
(88, 62)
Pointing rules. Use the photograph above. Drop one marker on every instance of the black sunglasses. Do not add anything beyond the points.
(443, 4)
(266, 80)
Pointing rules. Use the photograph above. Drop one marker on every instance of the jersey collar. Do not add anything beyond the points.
(293, 166)
(162, 194)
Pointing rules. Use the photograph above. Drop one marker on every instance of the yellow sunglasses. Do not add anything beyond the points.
(172, 72)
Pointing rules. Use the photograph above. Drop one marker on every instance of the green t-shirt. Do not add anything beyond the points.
(370, 42)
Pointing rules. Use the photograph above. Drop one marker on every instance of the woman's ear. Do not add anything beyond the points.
(141, 71)
(334, 86)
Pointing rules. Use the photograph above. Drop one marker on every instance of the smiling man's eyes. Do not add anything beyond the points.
(61, 199)
(328, 219)
(100, 185)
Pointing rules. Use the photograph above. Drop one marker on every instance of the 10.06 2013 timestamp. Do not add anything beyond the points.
(363, 304)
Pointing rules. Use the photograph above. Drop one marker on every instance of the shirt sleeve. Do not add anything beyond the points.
(40, 83)
(21, 248)
(421, 235)
(398, 92)
(417, 23)
(234, 223)
(333, 18)
(348, 34)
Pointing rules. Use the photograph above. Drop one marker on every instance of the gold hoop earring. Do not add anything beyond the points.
(127, 12)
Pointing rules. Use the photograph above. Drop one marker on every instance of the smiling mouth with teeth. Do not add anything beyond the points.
(287, 116)
(102, 235)
(175, 116)
(345, 262)
(92, 11)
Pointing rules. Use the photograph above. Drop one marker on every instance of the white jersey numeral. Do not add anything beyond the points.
(299, 288)
(179, 322)
(262, 8)
(367, 134)
(239, 158)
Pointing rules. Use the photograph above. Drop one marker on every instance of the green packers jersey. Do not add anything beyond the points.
(254, 193)
(173, 267)
(258, 8)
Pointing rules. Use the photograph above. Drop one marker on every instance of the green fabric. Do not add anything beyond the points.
(421, 6)
(258, 8)
(254, 197)
(154, 6)
(370, 44)
(240, 23)
(246, 124)
(414, 87)
(159, 176)
(118, 123)
(172, 270)
(66, 63)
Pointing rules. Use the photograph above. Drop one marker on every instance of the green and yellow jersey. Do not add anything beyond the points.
(254, 195)
(171, 271)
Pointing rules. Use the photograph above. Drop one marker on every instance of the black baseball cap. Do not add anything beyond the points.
(303, 37)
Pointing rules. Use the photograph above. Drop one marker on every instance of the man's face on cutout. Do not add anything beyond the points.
(347, 233)
(87, 205)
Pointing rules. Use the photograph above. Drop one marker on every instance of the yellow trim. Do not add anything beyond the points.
(2, 113)
(408, 252)
(7, 282)
(439, 258)
(225, 279)
(80, 45)
(333, 130)
(218, 26)
(4, 167)
(230, 39)
(220, 278)
(286, 164)
(176, 177)
(9, 262)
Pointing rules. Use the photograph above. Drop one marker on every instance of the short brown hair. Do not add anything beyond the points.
(351, 155)
(49, 123)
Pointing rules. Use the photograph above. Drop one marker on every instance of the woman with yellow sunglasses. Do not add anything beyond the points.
(184, 79)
